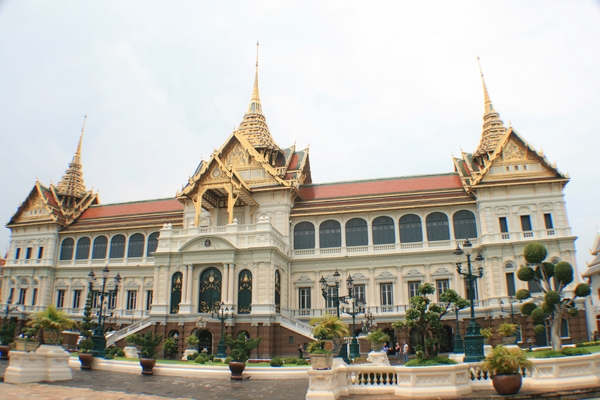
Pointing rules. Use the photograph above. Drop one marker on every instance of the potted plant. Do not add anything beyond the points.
(147, 343)
(325, 329)
(505, 365)
(192, 342)
(170, 348)
(507, 331)
(378, 338)
(49, 323)
(7, 336)
(240, 352)
(86, 344)
(27, 340)
(487, 335)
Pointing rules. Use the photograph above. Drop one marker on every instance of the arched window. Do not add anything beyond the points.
(304, 236)
(245, 292)
(383, 230)
(356, 232)
(564, 329)
(210, 290)
(99, 249)
(330, 234)
(277, 292)
(464, 225)
(176, 284)
(66, 249)
(437, 227)
(411, 229)
(152, 243)
(136, 245)
(117, 247)
(83, 249)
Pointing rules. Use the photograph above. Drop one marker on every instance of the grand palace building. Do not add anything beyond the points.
(250, 231)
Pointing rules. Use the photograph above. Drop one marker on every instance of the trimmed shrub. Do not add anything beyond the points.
(228, 360)
(573, 312)
(538, 315)
(583, 290)
(571, 351)
(290, 360)
(120, 353)
(549, 269)
(302, 361)
(276, 362)
(538, 328)
(525, 273)
(552, 297)
(438, 360)
(535, 253)
(522, 294)
(548, 308)
(211, 357)
(109, 356)
(564, 272)
(217, 360)
(527, 308)
(193, 356)
(200, 360)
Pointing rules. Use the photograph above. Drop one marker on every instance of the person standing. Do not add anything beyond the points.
(405, 352)
(398, 351)
(300, 351)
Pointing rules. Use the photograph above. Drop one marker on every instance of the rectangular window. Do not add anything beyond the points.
(503, 224)
(28, 252)
(95, 299)
(359, 293)
(468, 292)
(387, 298)
(40, 253)
(34, 297)
(304, 300)
(331, 292)
(22, 296)
(111, 301)
(17, 253)
(149, 297)
(525, 223)
(441, 285)
(548, 221)
(290, 340)
(412, 289)
(510, 284)
(10, 296)
(131, 299)
(60, 299)
(76, 299)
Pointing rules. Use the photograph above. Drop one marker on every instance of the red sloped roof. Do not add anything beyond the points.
(142, 207)
(381, 186)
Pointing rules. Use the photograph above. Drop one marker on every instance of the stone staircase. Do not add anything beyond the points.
(137, 326)
(296, 326)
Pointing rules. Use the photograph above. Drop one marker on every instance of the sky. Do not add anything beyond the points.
(376, 89)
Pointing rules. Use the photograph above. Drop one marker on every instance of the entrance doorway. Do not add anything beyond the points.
(206, 339)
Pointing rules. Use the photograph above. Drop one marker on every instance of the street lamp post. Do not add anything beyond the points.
(222, 314)
(368, 322)
(98, 336)
(473, 340)
(458, 340)
(337, 299)
(358, 307)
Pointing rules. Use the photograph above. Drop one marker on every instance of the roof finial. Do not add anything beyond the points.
(255, 106)
(71, 184)
(78, 152)
(488, 102)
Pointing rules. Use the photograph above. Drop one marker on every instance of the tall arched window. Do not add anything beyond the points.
(136, 245)
(66, 249)
(356, 232)
(330, 234)
(304, 236)
(83, 249)
(99, 248)
(411, 230)
(245, 292)
(117, 247)
(152, 243)
(210, 290)
(464, 225)
(176, 284)
(277, 292)
(437, 227)
(383, 230)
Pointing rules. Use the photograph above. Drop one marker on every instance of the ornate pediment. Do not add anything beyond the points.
(359, 276)
(207, 243)
(442, 271)
(386, 275)
(237, 157)
(304, 279)
(414, 272)
(131, 283)
(514, 151)
(149, 283)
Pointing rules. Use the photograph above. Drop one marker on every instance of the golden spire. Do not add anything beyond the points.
(71, 184)
(493, 127)
(255, 107)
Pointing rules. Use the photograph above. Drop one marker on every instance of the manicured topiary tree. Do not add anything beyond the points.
(550, 307)
(425, 316)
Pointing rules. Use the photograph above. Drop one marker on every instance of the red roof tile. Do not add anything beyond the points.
(381, 186)
(142, 207)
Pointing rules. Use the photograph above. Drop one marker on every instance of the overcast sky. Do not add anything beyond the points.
(377, 89)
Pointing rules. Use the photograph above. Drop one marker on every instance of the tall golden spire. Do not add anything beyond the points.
(493, 127)
(71, 184)
(254, 125)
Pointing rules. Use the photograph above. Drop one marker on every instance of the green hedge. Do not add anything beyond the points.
(438, 360)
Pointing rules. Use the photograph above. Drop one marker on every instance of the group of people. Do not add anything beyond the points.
(400, 350)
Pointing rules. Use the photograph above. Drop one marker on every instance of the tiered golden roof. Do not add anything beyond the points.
(493, 127)
(71, 184)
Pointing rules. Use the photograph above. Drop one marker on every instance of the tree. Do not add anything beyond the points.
(86, 326)
(51, 320)
(550, 307)
(425, 316)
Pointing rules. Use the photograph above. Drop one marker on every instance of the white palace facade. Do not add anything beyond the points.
(250, 230)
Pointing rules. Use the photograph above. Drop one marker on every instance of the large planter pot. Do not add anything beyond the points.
(25, 345)
(4, 350)
(507, 384)
(236, 368)
(86, 360)
(377, 346)
(509, 339)
(52, 337)
(147, 365)
(321, 361)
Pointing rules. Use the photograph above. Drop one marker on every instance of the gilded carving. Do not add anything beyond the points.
(237, 157)
(513, 151)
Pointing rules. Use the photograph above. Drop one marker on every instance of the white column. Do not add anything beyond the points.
(166, 286)
(372, 287)
(254, 285)
(232, 290)
(399, 286)
(189, 283)
(225, 284)
(184, 284)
